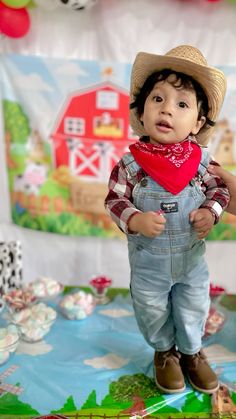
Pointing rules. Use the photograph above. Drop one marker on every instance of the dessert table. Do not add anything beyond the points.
(101, 367)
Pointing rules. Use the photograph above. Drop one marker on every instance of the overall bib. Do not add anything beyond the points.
(169, 276)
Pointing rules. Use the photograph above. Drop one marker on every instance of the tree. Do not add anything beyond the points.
(69, 406)
(136, 393)
(10, 403)
(233, 397)
(16, 122)
(129, 386)
(91, 401)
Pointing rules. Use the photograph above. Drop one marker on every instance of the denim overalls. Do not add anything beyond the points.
(169, 276)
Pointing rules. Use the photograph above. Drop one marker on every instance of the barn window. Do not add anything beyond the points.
(105, 99)
(106, 125)
(74, 126)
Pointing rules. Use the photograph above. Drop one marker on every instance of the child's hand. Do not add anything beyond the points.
(150, 224)
(203, 221)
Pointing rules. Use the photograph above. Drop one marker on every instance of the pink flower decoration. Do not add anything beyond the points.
(216, 290)
(100, 283)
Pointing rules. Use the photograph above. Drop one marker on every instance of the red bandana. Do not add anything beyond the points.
(171, 165)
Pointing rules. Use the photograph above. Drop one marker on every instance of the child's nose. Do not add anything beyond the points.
(166, 109)
(166, 112)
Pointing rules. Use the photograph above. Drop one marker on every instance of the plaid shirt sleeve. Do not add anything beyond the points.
(217, 194)
(118, 202)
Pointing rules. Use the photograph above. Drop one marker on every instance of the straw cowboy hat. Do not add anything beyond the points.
(188, 60)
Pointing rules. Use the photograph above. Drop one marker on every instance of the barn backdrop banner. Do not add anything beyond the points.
(66, 123)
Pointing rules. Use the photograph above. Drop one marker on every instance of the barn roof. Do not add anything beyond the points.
(81, 92)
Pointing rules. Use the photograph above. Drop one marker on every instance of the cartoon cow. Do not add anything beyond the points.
(32, 179)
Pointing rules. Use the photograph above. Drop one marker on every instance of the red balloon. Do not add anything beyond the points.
(14, 23)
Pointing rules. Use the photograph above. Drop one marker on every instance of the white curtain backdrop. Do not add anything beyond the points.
(115, 30)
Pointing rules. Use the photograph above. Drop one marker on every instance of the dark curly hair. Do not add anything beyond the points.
(181, 80)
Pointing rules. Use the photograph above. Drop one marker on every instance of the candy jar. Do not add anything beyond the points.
(19, 299)
(100, 285)
(77, 305)
(45, 288)
(34, 322)
(9, 340)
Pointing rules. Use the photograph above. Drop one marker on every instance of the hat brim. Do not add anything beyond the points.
(211, 79)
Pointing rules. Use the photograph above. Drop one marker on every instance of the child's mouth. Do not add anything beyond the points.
(164, 126)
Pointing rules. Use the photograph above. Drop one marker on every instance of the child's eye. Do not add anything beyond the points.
(157, 98)
(183, 105)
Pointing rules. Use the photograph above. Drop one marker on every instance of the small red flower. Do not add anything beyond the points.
(100, 283)
(216, 290)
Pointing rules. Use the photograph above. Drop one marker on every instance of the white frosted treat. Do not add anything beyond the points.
(78, 305)
(35, 322)
(8, 342)
(45, 287)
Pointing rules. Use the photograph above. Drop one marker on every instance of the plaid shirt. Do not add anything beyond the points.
(119, 201)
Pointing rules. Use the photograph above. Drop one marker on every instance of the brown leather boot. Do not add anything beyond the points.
(167, 372)
(199, 372)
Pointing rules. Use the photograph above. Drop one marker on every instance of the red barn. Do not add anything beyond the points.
(92, 130)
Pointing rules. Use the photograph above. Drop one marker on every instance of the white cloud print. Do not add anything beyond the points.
(116, 313)
(32, 82)
(38, 348)
(71, 69)
(109, 361)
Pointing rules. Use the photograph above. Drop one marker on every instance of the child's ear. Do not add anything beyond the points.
(199, 124)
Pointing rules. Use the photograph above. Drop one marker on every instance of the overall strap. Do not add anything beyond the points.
(205, 159)
(131, 165)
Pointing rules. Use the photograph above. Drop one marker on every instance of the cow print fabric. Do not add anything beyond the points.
(10, 266)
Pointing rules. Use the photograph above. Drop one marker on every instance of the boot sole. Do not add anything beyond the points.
(168, 390)
(203, 390)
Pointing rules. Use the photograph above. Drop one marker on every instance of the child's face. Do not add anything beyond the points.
(170, 113)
